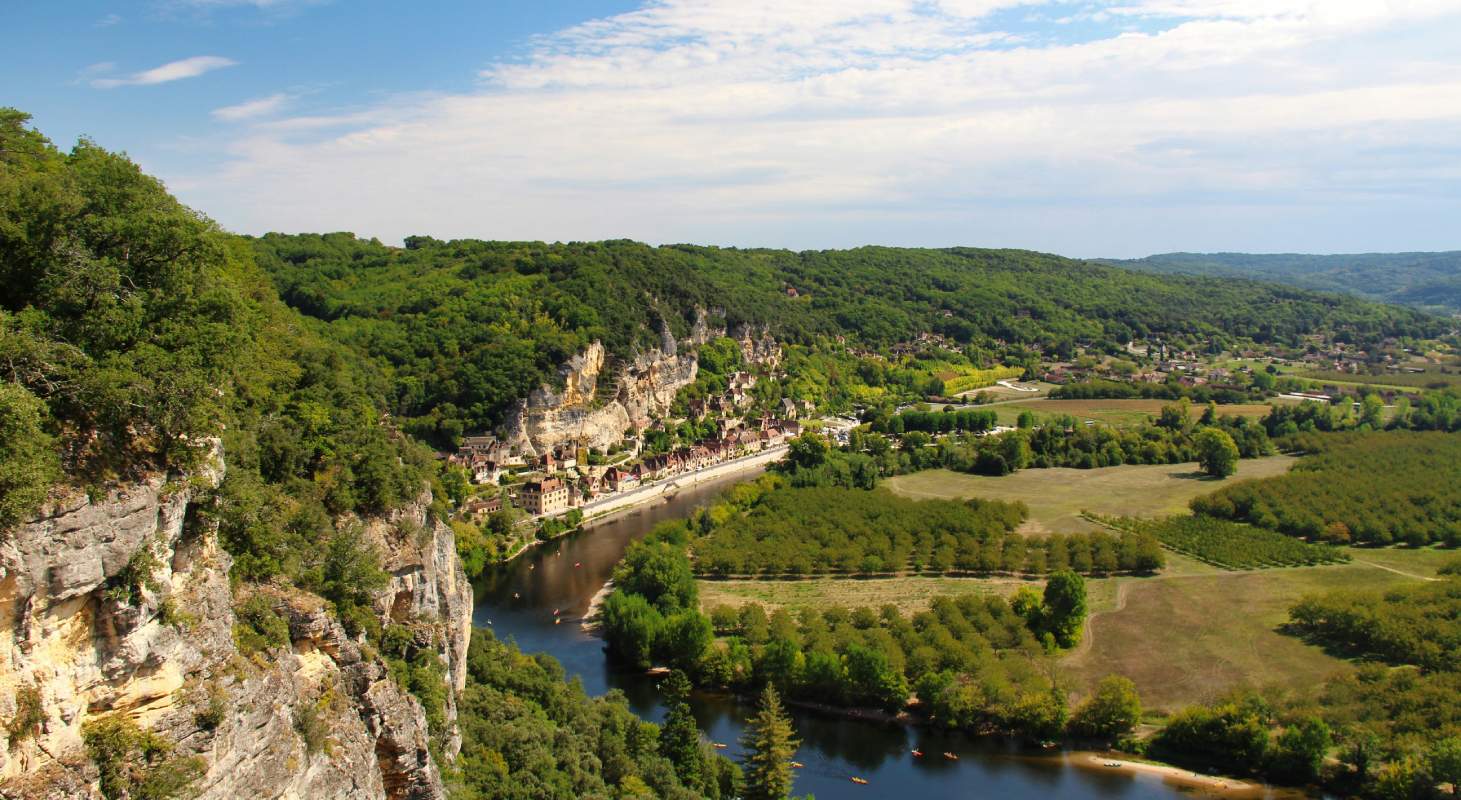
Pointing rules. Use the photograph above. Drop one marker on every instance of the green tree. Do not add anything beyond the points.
(679, 737)
(808, 451)
(631, 627)
(1065, 607)
(28, 464)
(1111, 712)
(684, 638)
(1300, 749)
(1216, 452)
(770, 743)
(1443, 760)
(660, 573)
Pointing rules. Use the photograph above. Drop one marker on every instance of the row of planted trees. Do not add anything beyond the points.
(976, 663)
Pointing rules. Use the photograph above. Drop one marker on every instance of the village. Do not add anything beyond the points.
(570, 477)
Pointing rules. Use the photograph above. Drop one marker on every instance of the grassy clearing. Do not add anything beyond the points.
(1187, 637)
(910, 594)
(1056, 497)
(1420, 561)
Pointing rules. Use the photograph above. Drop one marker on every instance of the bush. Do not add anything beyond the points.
(137, 764)
(30, 714)
(259, 627)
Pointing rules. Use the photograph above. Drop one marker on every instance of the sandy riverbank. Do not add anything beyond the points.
(1215, 784)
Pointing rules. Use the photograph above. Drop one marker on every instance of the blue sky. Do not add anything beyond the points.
(1080, 127)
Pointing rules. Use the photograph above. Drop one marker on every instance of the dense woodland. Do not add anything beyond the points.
(465, 328)
(1423, 280)
(1362, 487)
(528, 732)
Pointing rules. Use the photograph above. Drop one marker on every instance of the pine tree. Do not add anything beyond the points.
(770, 743)
(679, 739)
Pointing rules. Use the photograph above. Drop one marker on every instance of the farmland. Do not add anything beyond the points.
(1431, 378)
(1189, 635)
(1056, 497)
(1229, 545)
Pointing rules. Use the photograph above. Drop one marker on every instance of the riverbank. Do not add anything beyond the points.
(610, 508)
(1227, 787)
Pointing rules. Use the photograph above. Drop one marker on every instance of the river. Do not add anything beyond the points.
(518, 601)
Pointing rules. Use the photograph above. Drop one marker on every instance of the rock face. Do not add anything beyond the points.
(584, 414)
(122, 605)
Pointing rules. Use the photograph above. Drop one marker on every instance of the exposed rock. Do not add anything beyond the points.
(643, 389)
(88, 652)
(428, 585)
(75, 624)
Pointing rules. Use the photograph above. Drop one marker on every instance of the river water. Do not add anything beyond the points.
(518, 601)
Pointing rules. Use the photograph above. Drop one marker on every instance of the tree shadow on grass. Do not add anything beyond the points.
(1195, 475)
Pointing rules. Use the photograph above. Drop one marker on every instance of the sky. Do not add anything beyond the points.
(1117, 129)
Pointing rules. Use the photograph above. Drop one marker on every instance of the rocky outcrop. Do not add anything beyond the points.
(108, 605)
(121, 605)
(429, 591)
(589, 415)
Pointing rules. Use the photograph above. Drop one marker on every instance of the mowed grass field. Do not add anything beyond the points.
(910, 594)
(1056, 497)
(1117, 413)
(1188, 637)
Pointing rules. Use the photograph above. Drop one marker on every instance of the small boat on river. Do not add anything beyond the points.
(950, 756)
(918, 754)
(860, 781)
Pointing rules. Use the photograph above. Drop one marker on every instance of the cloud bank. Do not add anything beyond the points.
(1112, 128)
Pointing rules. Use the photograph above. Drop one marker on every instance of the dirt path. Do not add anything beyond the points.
(1394, 570)
(1088, 635)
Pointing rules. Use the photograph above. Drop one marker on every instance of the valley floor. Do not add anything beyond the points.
(1185, 636)
(1057, 497)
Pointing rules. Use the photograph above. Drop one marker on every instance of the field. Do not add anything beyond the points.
(1430, 379)
(910, 594)
(1117, 413)
(1188, 637)
(1057, 497)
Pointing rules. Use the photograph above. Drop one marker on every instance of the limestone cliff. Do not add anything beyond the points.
(592, 409)
(585, 414)
(121, 605)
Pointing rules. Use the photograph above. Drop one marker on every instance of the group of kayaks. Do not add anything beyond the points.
(916, 754)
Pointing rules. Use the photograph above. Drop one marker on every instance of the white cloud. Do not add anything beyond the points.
(903, 121)
(171, 71)
(252, 109)
(109, 20)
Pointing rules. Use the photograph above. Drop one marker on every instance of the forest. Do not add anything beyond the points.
(1375, 488)
(811, 531)
(528, 732)
(464, 329)
(1423, 280)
